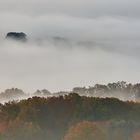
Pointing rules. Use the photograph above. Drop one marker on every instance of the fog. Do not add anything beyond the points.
(61, 64)
(84, 8)
(70, 43)
(102, 27)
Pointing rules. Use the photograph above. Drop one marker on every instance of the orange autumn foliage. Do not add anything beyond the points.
(137, 136)
(2, 128)
(85, 131)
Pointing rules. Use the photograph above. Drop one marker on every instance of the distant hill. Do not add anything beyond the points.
(16, 36)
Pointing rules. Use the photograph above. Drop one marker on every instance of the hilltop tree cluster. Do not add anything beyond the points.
(17, 36)
(120, 90)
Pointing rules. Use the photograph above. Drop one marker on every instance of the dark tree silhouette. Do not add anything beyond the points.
(16, 36)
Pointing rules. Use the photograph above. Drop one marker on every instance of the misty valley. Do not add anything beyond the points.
(101, 112)
(69, 69)
(97, 112)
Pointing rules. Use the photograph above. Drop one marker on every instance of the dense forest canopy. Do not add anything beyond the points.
(70, 117)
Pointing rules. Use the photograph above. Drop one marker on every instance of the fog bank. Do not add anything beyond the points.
(61, 64)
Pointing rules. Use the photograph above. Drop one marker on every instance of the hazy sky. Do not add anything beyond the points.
(110, 29)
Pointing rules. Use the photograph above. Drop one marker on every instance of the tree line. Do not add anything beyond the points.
(121, 90)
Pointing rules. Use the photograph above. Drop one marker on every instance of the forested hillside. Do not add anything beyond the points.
(70, 117)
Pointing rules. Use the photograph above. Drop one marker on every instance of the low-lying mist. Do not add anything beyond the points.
(57, 63)
(121, 90)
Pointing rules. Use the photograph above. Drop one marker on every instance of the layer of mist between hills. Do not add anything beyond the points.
(120, 90)
(61, 63)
